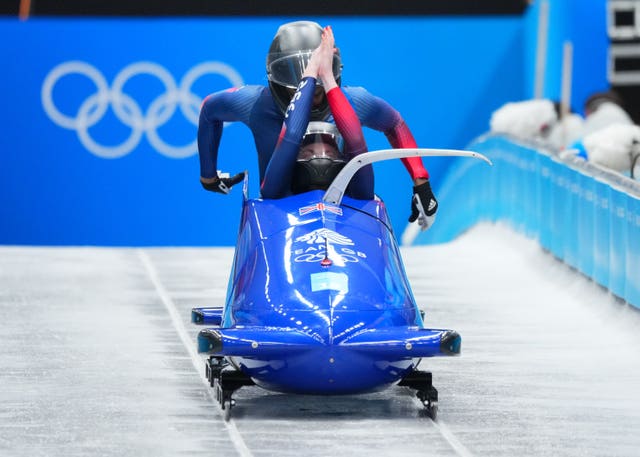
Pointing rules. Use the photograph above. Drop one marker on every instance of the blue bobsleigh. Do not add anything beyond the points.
(318, 301)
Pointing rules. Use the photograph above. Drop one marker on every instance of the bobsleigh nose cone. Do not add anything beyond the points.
(450, 343)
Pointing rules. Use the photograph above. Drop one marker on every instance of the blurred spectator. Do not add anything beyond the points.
(529, 119)
(609, 136)
(606, 135)
(537, 120)
(603, 109)
(616, 146)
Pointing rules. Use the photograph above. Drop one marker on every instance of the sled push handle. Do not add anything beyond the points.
(336, 190)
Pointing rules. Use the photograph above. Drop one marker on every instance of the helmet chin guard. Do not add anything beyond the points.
(315, 174)
(320, 158)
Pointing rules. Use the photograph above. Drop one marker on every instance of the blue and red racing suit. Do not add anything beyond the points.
(254, 106)
(279, 173)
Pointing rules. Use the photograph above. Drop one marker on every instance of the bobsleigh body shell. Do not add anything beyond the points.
(318, 296)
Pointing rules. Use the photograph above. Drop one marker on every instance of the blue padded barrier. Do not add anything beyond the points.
(601, 232)
(632, 283)
(544, 204)
(573, 192)
(585, 236)
(617, 240)
(557, 216)
(585, 215)
(531, 209)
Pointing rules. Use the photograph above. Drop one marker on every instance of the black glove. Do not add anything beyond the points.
(423, 205)
(223, 185)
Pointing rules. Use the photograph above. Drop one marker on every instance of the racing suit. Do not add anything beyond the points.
(254, 106)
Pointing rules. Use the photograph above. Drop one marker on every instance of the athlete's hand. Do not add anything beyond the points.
(221, 184)
(327, 51)
(423, 205)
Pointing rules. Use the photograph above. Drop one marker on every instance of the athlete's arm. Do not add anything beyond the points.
(225, 106)
(376, 113)
(346, 120)
(362, 184)
(278, 176)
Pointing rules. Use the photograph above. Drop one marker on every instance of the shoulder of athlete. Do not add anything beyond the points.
(250, 91)
(355, 91)
(373, 111)
(231, 104)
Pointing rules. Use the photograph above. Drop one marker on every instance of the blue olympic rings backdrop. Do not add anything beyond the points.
(99, 117)
(126, 108)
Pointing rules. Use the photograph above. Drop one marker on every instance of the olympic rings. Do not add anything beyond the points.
(127, 110)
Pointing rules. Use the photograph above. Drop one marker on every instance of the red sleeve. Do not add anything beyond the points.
(400, 138)
(347, 122)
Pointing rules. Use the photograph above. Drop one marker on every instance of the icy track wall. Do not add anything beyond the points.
(585, 215)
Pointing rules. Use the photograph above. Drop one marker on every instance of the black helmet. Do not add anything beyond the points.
(288, 56)
(320, 158)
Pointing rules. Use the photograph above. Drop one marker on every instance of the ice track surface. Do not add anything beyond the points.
(97, 359)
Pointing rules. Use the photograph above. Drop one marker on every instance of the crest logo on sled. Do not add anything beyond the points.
(323, 235)
(317, 243)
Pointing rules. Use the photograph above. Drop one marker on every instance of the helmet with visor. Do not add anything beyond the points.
(288, 56)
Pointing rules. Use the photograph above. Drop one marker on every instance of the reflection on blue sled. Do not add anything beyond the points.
(318, 300)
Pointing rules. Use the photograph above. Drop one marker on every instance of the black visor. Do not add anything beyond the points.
(287, 69)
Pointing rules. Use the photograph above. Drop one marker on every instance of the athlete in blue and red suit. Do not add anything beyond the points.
(310, 155)
(262, 110)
